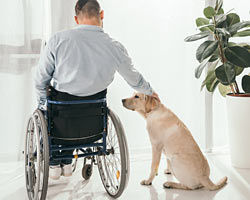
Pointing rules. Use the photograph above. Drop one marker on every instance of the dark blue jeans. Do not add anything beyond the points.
(62, 161)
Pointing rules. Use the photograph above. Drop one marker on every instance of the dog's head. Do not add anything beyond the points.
(141, 103)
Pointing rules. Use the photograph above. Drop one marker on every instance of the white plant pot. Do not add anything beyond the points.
(238, 111)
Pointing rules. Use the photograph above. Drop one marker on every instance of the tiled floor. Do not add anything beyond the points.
(75, 188)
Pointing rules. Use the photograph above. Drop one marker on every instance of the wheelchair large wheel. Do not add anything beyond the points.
(114, 167)
(36, 157)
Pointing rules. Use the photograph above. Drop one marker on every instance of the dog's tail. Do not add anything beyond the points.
(208, 184)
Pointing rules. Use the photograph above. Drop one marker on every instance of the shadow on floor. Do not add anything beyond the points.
(174, 194)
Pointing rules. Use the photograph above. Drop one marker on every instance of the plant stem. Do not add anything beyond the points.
(217, 37)
(236, 87)
(232, 88)
(223, 59)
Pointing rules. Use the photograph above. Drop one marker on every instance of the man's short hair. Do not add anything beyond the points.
(89, 8)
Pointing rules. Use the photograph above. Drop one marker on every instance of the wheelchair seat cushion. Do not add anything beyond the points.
(75, 123)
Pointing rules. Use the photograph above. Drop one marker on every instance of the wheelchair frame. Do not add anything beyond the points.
(33, 160)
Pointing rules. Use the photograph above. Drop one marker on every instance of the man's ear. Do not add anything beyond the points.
(76, 19)
(102, 14)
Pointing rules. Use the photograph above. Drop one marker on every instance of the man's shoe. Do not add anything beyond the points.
(67, 170)
(55, 172)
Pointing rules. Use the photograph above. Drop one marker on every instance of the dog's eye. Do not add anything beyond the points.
(136, 96)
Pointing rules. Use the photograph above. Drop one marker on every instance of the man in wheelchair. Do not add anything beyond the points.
(81, 63)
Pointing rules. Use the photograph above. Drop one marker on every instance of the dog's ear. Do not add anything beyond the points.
(150, 103)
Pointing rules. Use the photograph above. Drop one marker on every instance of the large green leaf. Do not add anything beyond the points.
(232, 19)
(206, 49)
(238, 56)
(224, 89)
(210, 81)
(197, 36)
(207, 27)
(246, 83)
(238, 70)
(231, 44)
(221, 11)
(211, 86)
(242, 33)
(215, 56)
(226, 73)
(200, 21)
(203, 24)
(245, 45)
(199, 69)
(209, 12)
(236, 27)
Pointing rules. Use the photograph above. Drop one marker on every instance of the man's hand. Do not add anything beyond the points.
(155, 95)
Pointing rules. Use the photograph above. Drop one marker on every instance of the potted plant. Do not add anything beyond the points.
(225, 60)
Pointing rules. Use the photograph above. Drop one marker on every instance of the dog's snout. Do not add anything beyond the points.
(123, 100)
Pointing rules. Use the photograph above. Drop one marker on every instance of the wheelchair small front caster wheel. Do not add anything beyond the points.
(87, 171)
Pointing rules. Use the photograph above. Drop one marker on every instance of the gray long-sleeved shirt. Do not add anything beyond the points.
(82, 61)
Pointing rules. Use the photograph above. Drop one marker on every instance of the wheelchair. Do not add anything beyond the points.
(84, 125)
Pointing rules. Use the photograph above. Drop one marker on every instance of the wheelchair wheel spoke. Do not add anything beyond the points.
(113, 161)
(118, 158)
(110, 174)
(107, 172)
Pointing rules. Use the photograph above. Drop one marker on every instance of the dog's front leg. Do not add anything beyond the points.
(156, 157)
(168, 170)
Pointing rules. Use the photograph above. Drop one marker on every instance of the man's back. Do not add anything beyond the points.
(86, 59)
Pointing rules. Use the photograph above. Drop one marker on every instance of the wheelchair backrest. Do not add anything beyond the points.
(70, 121)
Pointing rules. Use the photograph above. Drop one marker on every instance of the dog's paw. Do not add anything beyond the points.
(166, 171)
(146, 182)
(167, 185)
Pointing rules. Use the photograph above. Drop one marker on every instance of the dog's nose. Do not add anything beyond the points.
(123, 100)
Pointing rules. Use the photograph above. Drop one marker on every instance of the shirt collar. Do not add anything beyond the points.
(89, 27)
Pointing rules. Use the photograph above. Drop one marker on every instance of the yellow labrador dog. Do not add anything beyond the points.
(169, 134)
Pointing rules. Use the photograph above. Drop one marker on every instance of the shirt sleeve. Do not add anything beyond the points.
(130, 74)
(45, 70)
